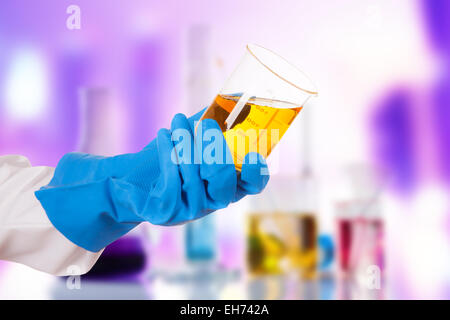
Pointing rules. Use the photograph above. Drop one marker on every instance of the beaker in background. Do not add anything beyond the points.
(259, 102)
(283, 231)
(360, 235)
(99, 122)
(200, 239)
(359, 221)
(267, 246)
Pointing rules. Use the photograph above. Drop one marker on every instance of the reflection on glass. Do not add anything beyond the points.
(259, 102)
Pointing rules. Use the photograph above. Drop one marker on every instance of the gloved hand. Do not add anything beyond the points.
(94, 200)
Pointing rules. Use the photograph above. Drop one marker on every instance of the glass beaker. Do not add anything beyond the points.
(258, 102)
(360, 235)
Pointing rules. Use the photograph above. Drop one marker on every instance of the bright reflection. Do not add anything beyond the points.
(26, 88)
(426, 246)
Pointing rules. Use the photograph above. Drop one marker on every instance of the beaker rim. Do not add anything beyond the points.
(312, 91)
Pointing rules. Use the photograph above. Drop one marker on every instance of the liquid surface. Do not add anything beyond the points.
(257, 127)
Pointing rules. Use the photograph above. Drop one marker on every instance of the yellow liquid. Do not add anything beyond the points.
(306, 259)
(281, 242)
(265, 250)
(257, 128)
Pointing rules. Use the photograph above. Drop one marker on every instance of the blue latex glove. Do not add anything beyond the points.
(95, 200)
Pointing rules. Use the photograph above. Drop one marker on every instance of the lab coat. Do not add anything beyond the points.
(26, 234)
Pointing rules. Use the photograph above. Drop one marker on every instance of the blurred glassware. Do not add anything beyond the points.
(360, 237)
(305, 257)
(98, 122)
(327, 251)
(327, 285)
(282, 234)
(359, 223)
(73, 70)
(266, 250)
(269, 287)
(200, 239)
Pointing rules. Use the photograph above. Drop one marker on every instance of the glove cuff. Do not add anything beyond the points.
(91, 215)
(91, 201)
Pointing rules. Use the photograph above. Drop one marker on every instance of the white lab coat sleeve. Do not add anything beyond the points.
(26, 234)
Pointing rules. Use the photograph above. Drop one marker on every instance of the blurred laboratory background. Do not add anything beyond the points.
(358, 203)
